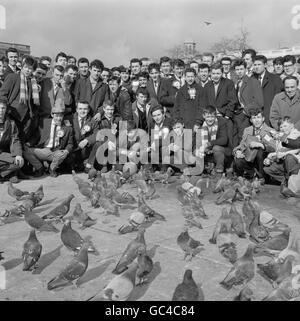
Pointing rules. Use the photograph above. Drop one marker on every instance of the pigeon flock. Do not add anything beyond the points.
(266, 236)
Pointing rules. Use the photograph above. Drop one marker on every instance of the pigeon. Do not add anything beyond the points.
(293, 248)
(197, 206)
(226, 243)
(38, 223)
(246, 294)
(187, 290)
(188, 244)
(237, 222)
(141, 185)
(38, 195)
(221, 184)
(74, 270)
(227, 195)
(145, 265)
(61, 210)
(131, 252)
(79, 181)
(248, 213)
(277, 243)
(100, 182)
(190, 218)
(149, 213)
(124, 198)
(72, 239)
(276, 272)
(84, 190)
(242, 271)
(114, 178)
(15, 192)
(150, 193)
(94, 196)
(82, 218)
(120, 287)
(109, 207)
(1, 257)
(224, 219)
(32, 250)
(258, 233)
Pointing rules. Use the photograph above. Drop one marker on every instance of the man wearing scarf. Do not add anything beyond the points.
(22, 94)
(11, 158)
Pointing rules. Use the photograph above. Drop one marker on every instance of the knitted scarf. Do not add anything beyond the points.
(24, 97)
(206, 135)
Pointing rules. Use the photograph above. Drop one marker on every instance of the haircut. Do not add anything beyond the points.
(190, 70)
(194, 62)
(11, 49)
(98, 64)
(143, 74)
(123, 69)
(42, 66)
(153, 66)
(114, 78)
(178, 120)
(69, 57)
(115, 69)
(133, 60)
(226, 59)
(4, 59)
(142, 91)
(252, 52)
(106, 69)
(289, 58)
(216, 66)
(59, 68)
(208, 54)
(254, 110)
(286, 119)
(240, 62)
(164, 59)
(82, 60)
(210, 110)
(145, 59)
(156, 108)
(261, 58)
(203, 66)
(47, 58)
(60, 54)
(289, 78)
(29, 61)
(73, 67)
(83, 102)
(178, 63)
(278, 61)
(108, 103)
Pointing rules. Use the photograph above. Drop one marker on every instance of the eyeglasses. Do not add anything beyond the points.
(286, 66)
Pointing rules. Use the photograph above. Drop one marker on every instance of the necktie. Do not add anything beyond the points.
(54, 136)
(216, 90)
(260, 79)
(155, 86)
(81, 123)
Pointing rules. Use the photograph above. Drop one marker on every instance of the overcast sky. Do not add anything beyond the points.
(117, 30)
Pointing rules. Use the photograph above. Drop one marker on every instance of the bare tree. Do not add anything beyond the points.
(177, 52)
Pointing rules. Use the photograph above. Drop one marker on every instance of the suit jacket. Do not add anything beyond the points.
(11, 90)
(226, 99)
(48, 99)
(10, 71)
(151, 89)
(251, 93)
(77, 134)
(10, 142)
(272, 85)
(222, 134)
(95, 96)
(43, 135)
(167, 93)
(136, 118)
(190, 110)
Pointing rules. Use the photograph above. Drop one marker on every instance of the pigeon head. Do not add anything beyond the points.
(67, 222)
(32, 233)
(71, 196)
(246, 294)
(141, 250)
(187, 274)
(108, 294)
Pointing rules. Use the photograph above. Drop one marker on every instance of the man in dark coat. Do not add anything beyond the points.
(3, 67)
(11, 159)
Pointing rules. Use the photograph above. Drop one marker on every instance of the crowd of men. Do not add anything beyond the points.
(205, 116)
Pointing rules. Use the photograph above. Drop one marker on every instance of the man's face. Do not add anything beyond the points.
(145, 65)
(131, 133)
(195, 66)
(104, 76)
(135, 68)
(190, 78)
(57, 118)
(62, 61)
(124, 76)
(82, 110)
(116, 73)
(286, 127)
(290, 87)
(203, 74)
(143, 82)
(72, 74)
(289, 68)
(71, 61)
(178, 129)
(226, 66)
(257, 120)
(248, 60)
(207, 60)
(3, 66)
(109, 111)
(142, 99)
(39, 74)
(3, 108)
(165, 68)
(158, 116)
(113, 86)
(259, 67)
(209, 118)
(240, 71)
(57, 76)
(46, 63)
(83, 68)
(216, 75)
(278, 68)
(12, 58)
(95, 73)
(178, 71)
(154, 74)
(27, 70)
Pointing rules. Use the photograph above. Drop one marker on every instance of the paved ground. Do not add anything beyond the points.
(209, 267)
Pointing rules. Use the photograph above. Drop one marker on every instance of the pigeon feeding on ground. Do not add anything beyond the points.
(224, 219)
(32, 250)
(81, 217)
(61, 210)
(15, 192)
(145, 265)
(38, 223)
(187, 290)
(149, 213)
(237, 222)
(258, 233)
(189, 246)
(246, 294)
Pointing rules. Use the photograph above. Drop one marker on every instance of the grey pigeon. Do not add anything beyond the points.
(131, 252)
(15, 192)
(145, 265)
(225, 220)
(32, 250)
(237, 222)
(74, 270)
(149, 213)
(38, 195)
(189, 246)
(82, 218)
(38, 223)
(246, 294)
(94, 196)
(187, 290)
(278, 242)
(72, 239)
(248, 213)
(258, 232)
(61, 210)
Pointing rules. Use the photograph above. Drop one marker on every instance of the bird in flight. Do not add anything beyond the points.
(207, 23)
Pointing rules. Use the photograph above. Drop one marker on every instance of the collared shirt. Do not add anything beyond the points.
(228, 76)
(14, 69)
(155, 85)
(216, 86)
(238, 90)
(158, 130)
(261, 77)
(181, 80)
(1, 130)
(51, 136)
(204, 83)
(93, 83)
(81, 122)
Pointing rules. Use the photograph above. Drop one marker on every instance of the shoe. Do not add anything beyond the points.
(39, 172)
(14, 180)
(53, 173)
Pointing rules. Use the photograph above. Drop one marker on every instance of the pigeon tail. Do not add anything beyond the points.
(56, 283)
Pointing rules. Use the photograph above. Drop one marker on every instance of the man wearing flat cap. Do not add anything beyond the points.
(53, 143)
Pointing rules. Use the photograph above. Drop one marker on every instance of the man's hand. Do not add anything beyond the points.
(196, 127)
(97, 117)
(83, 143)
(111, 145)
(267, 161)
(280, 155)
(256, 145)
(63, 84)
(19, 161)
(239, 154)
